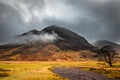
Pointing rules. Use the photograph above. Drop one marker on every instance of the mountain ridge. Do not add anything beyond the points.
(63, 38)
(101, 43)
(50, 44)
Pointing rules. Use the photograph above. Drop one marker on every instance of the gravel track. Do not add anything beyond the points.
(77, 74)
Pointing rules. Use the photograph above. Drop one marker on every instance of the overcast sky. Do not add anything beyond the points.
(93, 19)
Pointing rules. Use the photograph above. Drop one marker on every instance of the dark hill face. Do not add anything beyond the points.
(70, 40)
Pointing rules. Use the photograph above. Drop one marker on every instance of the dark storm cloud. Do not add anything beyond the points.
(112, 16)
(8, 21)
(108, 15)
(94, 19)
(102, 19)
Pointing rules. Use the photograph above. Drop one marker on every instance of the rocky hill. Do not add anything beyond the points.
(51, 43)
(62, 37)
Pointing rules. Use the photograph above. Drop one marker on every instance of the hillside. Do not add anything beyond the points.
(43, 53)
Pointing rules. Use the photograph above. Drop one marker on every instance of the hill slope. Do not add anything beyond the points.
(43, 53)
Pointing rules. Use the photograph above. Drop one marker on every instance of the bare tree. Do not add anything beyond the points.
(107, 54)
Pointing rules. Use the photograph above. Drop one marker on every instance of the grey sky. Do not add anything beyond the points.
(93, 19)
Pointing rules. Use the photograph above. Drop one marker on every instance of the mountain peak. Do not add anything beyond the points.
(64, 38)
(70, 39)
(34, 32)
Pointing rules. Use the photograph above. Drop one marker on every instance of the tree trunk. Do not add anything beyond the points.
(110, 63)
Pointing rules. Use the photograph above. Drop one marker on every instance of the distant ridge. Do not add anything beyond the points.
(101, 43)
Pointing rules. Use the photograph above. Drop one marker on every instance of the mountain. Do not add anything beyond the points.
(69, 39)
(101, 43)
(50, 44)
(62, 37)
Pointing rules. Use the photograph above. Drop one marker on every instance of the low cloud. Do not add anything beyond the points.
(33, 39)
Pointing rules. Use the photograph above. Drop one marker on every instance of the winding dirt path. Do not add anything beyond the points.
(77, 74)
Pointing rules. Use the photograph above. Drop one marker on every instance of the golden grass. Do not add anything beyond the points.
(41, 70)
